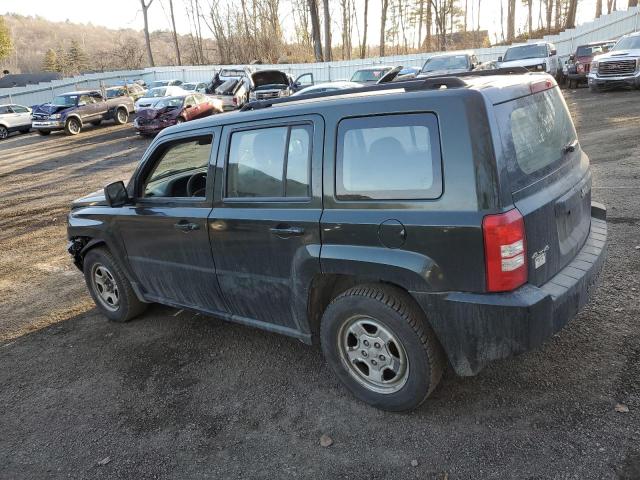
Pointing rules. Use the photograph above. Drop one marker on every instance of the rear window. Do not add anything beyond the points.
(388, 157)
(535, 131)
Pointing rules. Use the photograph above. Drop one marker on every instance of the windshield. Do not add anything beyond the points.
(65, 100)
(628, 43)
(188, 86)
(159, 83)
(369, 75)
(592, 50)
(157, 92)
(524, 52)
(115, 92)
(452, 62)
(168, 103)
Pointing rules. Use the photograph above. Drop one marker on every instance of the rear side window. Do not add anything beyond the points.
(535, 131)
(388, 157)
(269, 162)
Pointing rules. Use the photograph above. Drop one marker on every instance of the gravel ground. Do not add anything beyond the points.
(180, 395)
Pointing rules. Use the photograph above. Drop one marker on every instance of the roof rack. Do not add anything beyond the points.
(408, 85)
(429, 83)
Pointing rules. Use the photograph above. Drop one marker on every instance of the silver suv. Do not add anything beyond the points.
(620, 67)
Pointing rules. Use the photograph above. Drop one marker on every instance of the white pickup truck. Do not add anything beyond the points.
(619, 67)
(535, 57)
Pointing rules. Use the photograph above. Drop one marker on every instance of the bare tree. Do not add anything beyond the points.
(529, 4)
(570, 20)
(383, 25)
(549, 13)
(175, 34)
(345, 6)
(363, 45)
(598, 8)
(145, 8)
(327, 30)
(633, 3)
(315, 29)
(420, 21)
(511, 20)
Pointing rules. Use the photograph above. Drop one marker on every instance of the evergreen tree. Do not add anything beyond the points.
(50, 62)
(78, 59)
(6, 46)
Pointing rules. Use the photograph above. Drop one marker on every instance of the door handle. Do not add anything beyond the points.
(186, 226)
(287, 231)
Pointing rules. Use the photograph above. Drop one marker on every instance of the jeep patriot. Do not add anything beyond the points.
(406, 227)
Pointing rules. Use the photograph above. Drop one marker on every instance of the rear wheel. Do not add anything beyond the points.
(4, 133)
(95, 123)
(109, 287)
(73, 126)
(377, 341)
(122, 116)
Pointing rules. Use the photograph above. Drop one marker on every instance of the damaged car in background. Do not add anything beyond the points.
(169, 111)
(269, 84)
(72, 111)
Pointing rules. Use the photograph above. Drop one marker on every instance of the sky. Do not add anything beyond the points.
(128, 14)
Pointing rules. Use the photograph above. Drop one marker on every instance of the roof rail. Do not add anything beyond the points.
(433, 83)
(487, 73)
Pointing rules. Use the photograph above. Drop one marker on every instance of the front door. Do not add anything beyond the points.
(165, 230)
(264, 227)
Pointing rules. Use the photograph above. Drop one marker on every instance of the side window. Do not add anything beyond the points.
(85, 99)
(388, 157)
(95, 97)
(4, 110)
(19, 109)
(269, 162)
(177, 162)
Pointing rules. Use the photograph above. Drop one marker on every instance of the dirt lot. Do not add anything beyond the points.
(178, 395)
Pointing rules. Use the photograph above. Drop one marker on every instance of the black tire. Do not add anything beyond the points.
(96, 123)
(4, 132)
(395, 312)
(594, 89)
(121, 116)
(44, 133)
(128, 305)
(73, 126)
(572, 84)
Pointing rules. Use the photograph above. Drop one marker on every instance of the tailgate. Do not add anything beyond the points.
(549, 178)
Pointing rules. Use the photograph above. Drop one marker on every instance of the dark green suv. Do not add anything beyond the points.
(405, 226)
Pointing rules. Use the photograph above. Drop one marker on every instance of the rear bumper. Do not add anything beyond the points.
(475, 329)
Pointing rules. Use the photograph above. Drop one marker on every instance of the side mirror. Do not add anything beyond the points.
(116, 194)
(82, 104)
(499, 59)
(553, 52)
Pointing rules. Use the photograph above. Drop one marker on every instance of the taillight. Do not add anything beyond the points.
(505, 251)
(542, 85)
(235, 101)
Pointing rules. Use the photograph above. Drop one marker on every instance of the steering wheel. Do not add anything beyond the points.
(196, 186)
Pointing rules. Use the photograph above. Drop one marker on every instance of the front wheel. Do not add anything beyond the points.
(109, 287)
(4, 133)
(44, 133)
(122, 116)
(377, 341)
(72, 127)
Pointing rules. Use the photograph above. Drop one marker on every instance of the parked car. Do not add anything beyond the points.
(489, 65)
(133, 91)
(14, 118)
(169, 111)
(326, 87)
(399, 74)
(620, 67)
(448, 64)
(165, 83)
(269, 84)
(72, 111)
(579, 63)
(369, 223)
(199, 87)
(233, 93)
(226, 74)
(153, 94)
(535, 57)
(370, 75)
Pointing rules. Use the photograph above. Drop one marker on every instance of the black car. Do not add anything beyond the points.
(402, 231)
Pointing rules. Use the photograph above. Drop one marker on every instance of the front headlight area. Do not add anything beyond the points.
(594, 66)
(55, 116)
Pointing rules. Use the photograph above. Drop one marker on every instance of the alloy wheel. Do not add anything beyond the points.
(4, 133)
(373, 355)
(105, 287)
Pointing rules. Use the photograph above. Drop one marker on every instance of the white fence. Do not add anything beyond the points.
(607, 27)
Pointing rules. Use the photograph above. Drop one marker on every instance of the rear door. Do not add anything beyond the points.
(22, 116)
(264, 227)
(549, 179)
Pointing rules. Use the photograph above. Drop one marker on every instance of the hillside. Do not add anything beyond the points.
(106, 49)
